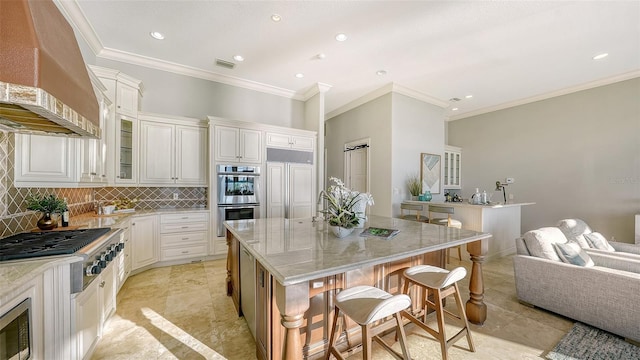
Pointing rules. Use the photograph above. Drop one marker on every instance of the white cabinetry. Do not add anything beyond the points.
(173, 150)
(183, 235)
(91, 308)
(144, 241)
(290, 190)
(287, 141)
(452, 168)
(124, 262)
(238, 145)
(121, 130)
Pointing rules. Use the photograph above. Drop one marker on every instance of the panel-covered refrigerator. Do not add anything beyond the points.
(290, 184)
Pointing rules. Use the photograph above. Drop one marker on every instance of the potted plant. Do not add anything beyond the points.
(47, 205)
(344, 207)
(415, 186)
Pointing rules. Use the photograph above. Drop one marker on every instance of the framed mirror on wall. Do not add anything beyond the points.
(430, 173)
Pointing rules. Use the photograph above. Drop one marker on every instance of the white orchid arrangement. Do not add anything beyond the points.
(343, 204)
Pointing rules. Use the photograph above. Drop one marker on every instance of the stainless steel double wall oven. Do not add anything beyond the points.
(238, 194)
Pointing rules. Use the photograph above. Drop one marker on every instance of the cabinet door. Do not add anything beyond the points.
(107, 289)
(275, 191)
(126, 99)
(191, 155)
(157, 161)
(302, 143)
(144, 240)
(126, 150)
(226, 143)
(277, 140)
(86, 308)
(250, 146)
(301, 192)
(263, 313)
(45, 159)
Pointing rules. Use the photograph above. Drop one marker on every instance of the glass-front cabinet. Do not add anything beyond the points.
(452, 167)
(126, 150)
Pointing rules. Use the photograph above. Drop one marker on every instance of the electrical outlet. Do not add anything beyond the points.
(510, 180)
(510, 196)
(175, 196)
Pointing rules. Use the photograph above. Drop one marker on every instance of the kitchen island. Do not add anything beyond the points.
(503, 221)
(299, 266)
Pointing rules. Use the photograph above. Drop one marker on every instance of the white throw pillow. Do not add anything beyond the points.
(540, 242)
(598, 241)
(574, 230)
(572, 253)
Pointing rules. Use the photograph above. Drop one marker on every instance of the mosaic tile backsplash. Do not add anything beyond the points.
(15, 218)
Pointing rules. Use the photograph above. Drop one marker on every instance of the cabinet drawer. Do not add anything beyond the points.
(183, 239)
(184, 252)
(184, 218)
(184, 227)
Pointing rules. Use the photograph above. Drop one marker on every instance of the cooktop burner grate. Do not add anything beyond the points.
(36, 244)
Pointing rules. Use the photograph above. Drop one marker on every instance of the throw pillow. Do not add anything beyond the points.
(539, 242)
(572, 253)
(574, 230)
(598, 241)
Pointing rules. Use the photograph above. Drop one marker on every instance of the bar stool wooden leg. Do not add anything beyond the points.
(463, 315)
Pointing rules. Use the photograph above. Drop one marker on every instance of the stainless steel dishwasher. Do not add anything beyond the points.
(248, 289)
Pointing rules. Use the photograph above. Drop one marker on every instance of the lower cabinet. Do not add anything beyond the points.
(183, 235)
(91, 308)
(263, 315)
(124, 261)
(144, 244)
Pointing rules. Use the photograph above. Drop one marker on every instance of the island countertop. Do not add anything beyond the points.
(493, 205)
(298, 250)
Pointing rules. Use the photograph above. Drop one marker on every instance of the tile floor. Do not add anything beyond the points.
(182, 312)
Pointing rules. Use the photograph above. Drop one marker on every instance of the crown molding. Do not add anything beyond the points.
(316, 88)
(390, 87)
(586, 86)
(74, 14)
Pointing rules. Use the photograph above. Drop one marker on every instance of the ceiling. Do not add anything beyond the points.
(503, 53)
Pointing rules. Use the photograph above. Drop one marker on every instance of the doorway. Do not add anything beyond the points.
(356, 165)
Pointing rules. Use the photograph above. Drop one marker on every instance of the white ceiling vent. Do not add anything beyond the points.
(225, 64)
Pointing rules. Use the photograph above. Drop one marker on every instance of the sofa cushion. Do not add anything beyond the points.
(572, 253)
(539, 242)
(574, 230)
(598, 241)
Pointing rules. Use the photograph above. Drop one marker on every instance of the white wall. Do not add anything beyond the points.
(576, 155)
(400, 128)
(418, 127)
(371, 120)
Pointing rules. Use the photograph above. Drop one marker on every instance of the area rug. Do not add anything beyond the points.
(584, 342)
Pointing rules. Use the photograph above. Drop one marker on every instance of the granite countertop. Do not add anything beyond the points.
(15, 273)
(297, 250)
(466, 204)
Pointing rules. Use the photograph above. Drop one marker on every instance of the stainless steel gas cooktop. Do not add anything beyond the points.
(37, 244)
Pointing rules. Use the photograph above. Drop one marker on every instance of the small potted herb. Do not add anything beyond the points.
(47, 205)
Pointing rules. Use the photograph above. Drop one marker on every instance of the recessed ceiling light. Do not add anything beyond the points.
(600, 56)
(321, 56)
(341, 37)
(276, 17)
(381, 72)
(468, 96)
(299, 75)
(238, 58)
(454, 109)
(157, 35)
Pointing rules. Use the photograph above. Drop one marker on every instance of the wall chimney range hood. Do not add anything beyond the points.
(44, 83)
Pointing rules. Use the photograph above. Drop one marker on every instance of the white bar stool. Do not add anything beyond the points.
(365, 305)
(442, 283)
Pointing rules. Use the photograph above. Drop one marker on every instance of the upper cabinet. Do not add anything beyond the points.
(173, 150)
(287, 141)
(237, 145)
(126, 150)
(452, 167)
(121, 128)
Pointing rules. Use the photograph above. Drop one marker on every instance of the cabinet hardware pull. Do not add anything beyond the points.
(185, 227)
(102, 283)
(185, 238)
(261, 278)
(185, 252)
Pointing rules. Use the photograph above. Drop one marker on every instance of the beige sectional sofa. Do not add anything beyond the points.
(599, 287)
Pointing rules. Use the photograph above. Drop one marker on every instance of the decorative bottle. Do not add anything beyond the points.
(65, 214)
